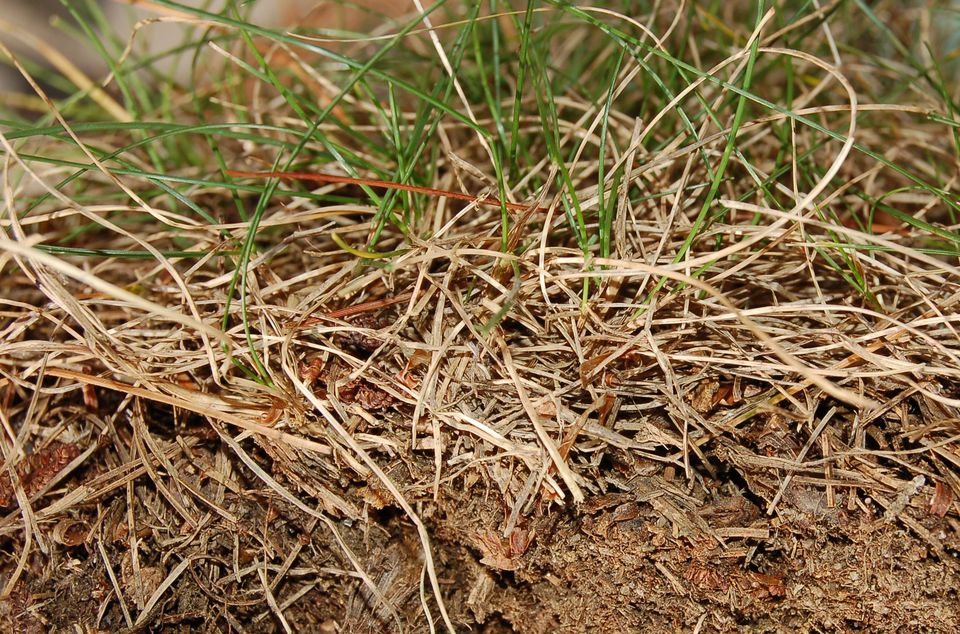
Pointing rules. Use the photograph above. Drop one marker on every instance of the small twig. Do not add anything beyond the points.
(356, 309)
(372, 182)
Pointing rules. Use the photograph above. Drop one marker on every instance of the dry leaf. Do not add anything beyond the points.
(495, 553)
(504, 554)
(942, 499)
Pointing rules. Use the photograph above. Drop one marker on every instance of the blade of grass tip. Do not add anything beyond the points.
(549, 119)
(490, 81)
(945, 196)
(68, 78)
(361, 71)
(525, 30)
(394, 122)
(941, 88)
(126, 168)
(496, 112)
(938, 118)
(427, 120)
(130, 169)
(901, 48)
(605, 225)
(362, 68)
(135, 97)
(184, 200)
(699, 223)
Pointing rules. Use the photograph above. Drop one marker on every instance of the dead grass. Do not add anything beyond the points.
(748, 423)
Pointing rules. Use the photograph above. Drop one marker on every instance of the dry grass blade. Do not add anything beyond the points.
(63, 64)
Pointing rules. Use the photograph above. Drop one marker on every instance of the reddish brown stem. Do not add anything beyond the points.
(371, 182)
(355, 309)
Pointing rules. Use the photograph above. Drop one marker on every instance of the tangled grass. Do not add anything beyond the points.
(695, 264)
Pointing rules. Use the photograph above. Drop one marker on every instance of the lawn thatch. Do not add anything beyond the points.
(287, 409)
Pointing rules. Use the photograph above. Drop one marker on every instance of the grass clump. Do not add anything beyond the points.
(364, 323)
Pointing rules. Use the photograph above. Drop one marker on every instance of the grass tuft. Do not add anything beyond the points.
(473, 275)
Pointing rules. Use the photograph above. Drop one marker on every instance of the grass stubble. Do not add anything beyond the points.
(678, 279)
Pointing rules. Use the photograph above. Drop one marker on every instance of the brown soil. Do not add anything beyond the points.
(651, 553)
